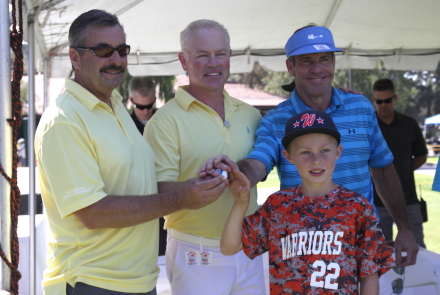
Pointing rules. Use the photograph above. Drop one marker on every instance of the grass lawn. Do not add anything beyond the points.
(432, 160)
(424, 184)
(431, 229)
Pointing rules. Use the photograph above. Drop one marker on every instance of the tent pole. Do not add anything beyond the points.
(46, 82)
(350, 81)
(31, 155)
(5, 142)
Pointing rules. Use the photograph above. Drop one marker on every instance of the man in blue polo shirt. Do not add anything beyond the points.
(311, 61)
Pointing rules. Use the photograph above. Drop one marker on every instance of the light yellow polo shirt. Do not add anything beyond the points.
(85, 151)
(183, 134)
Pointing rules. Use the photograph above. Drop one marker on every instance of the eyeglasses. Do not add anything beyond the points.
(381, 101)
(107, 51)
(143, 107)
(397, 284)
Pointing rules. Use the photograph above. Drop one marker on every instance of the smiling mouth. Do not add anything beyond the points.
(317, 79)
(213, 74)
(113, 70)
(317, 171)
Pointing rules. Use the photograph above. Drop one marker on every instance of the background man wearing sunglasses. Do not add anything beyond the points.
(98, 178)
(406, 142)
(142, 95)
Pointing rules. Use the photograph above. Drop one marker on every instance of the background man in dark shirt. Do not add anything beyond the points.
(142, 94)
(406, 142)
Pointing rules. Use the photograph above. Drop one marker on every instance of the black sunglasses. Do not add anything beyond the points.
(397, 284)
(107, 51)
(143, 107)
(388, 100)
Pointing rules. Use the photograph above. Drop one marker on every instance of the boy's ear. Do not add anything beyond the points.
(288, 157)
(339, 151)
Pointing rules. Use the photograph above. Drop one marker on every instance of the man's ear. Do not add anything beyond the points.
(183, 61)
(396, 97)
(74, 58)
(288, 157)
(290, 67)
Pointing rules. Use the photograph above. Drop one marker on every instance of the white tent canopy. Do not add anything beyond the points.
(404, 34)
(433, 120)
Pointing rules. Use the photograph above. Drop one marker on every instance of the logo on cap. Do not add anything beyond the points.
(310, 121)
(310, 40)
(321, 47)
(311, 36)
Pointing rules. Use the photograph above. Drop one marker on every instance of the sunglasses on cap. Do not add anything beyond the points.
(397, 284)
(381, 101)
(107, 51)
(143, 107)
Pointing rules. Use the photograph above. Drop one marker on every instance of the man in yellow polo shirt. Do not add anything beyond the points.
(98, 177)
(203, 121)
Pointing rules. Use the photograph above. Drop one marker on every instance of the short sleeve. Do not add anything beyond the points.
(70, 166)
(372, 252)
(419, 147)
(255, 234)
(266, 145)
(165, 146)
(380, 154)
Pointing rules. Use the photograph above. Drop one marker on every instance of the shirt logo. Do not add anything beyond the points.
(76, 191)
(311, 36)
(350, 131)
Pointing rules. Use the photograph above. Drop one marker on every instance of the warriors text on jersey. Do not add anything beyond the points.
(318, 245)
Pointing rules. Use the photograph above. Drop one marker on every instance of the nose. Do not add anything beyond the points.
(316, 158)
(212, 61)
(116, 58)
(316, 67)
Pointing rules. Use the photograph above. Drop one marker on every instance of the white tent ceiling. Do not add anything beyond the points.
(404, 34)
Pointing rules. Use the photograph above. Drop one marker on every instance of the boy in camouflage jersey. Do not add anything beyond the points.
(322, 238)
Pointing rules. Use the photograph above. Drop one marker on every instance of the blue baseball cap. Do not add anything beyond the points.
(311, 40)
(310, 121)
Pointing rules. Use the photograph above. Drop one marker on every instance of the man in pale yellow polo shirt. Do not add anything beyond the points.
(98, 178)
(203, 121)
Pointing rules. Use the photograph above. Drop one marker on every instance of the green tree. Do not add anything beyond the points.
(262, 79)
(363, 80)
(273, 82)
(426, 101)
(254, 79)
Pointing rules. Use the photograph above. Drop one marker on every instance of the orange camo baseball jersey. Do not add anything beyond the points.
(317, 245)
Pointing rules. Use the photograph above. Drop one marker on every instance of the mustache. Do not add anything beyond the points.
(113, 68)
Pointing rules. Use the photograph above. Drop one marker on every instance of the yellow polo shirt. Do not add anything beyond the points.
(183, 134)
(86, 151)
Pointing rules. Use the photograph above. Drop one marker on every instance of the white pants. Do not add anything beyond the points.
(228, 275)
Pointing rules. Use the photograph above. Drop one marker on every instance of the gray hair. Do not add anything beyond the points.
(91, 18)
(142, 85)
(185, 35)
